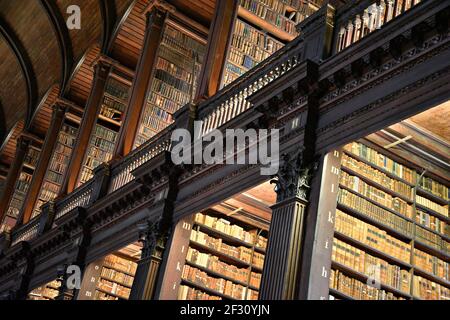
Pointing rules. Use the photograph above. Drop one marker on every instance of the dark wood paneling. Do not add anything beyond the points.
(43, 114)
(80, 86)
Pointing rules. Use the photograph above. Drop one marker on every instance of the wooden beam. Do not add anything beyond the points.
(51, 139)
(156, 18)
(23, 143)
(109, 17)
(101, 74)
(25, 64)
(219, 39)
(64, 41)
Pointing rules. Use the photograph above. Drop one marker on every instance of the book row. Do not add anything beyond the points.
(219, 285)
(117, 276)
(31, 157)
(242, 253)
(375, 268)
(179, 97)
(428, 290)
(172, 81)
(257, 37)
(431, 264)
(382, 161)
(211, 262)
(162, 102)
(120, 264)
(443, 210)
(377, 176)
(374, 212)
(372, 236)
(188, 293)
(233, 230)
(379, 196)
(357, 289)
(434, 187)
(117, 89)
(274, 14)
(172, 69)
(114, 288)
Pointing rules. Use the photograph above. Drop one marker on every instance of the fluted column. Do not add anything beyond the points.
(284, 250)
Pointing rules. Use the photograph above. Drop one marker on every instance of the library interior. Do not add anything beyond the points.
(359, 88)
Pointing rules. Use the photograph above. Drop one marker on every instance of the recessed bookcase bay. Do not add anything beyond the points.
(21, 187)
(392, 235)
(174, 78)
(262, 28)
(105, 133)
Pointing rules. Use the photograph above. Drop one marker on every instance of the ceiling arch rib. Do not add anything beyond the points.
(65, 43)
(119, 25)
(25, 64)
(109, 17)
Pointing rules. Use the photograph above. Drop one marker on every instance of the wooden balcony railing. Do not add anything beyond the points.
(231, 101)
(121, 172)
(81, 197)
(26, 232)
(357, 21)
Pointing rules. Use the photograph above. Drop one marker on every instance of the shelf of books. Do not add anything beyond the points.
(21, 188)
(278, 16)
(105, 133)
(111, 278)
(46, 292)
(224, 259)
(262, 28)
(392, 235)
(174, 79)
(53, 179)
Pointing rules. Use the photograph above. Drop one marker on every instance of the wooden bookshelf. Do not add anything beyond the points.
(21, 187)
(105, 132)
(174, 79)
(424, 250)
(46, 292)
(57, 167)
(110, 278)
(364, 278)
(220, 259)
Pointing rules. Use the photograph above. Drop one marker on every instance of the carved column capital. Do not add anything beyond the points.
(294, 177)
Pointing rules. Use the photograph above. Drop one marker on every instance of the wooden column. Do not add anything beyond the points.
(59, 111)
(102, 70)
(23, 142)
(286, 245)
(154, 238)
(156, 17)
(219, 38)
(283, 256)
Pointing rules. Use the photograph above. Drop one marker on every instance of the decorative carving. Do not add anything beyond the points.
(153, 235)
(293, 178)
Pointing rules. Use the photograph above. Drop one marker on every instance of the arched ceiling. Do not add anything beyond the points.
(39, 52)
